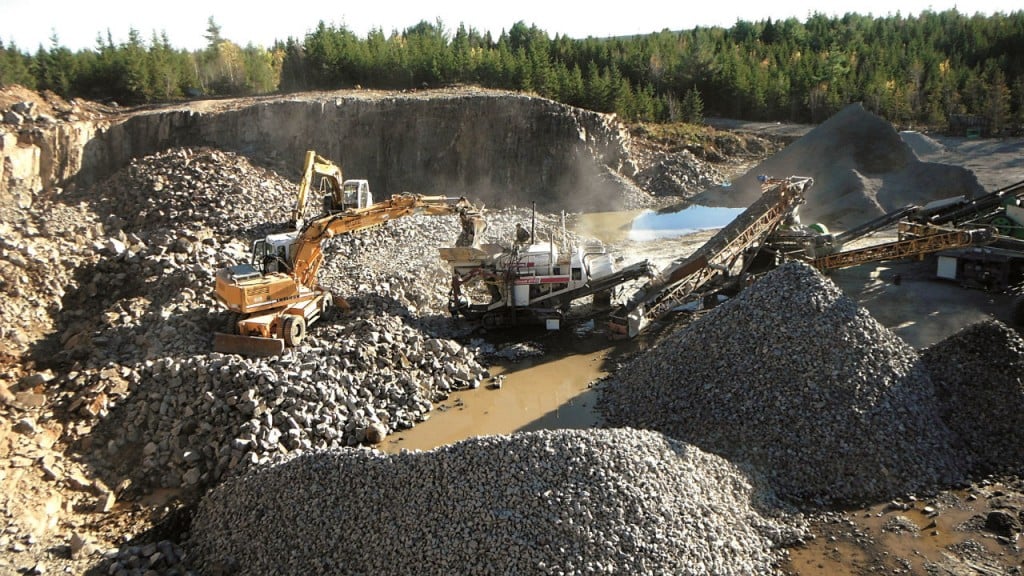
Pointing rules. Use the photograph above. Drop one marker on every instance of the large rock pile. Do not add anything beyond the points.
(111, 292)
(41, 247)
(793, 377)
(192, 188)
(681, 174)
(549, 502)
(977, 375)
(188, 421)
(137, 314)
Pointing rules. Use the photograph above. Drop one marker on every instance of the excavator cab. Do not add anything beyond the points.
(274, 253)
(355, 194)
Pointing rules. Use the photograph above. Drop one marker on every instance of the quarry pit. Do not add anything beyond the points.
(128, 445)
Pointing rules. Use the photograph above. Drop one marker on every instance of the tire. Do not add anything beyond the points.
(293, 330)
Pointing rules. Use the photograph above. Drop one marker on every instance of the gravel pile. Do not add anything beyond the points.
(861, 167)
(187, 422)
(548, 502)
(923, 145)
(977, 375)
(795, 378)
(680, 174)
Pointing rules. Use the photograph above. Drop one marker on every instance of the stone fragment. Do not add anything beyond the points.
(80, 546)
(26, 426)
(13, 118)
(36, 379)
(106, 502)
(28, 399)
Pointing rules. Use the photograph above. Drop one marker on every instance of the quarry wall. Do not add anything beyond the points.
(498, 147)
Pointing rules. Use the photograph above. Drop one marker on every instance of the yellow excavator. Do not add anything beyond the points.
(274, 298)
(338, 194)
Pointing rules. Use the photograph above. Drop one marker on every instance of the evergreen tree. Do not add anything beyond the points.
(15, 67)
(693, 107)
(919, 69)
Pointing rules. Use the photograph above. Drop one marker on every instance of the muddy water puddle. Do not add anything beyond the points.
(648, 225)
(885, 538)
(547, 392)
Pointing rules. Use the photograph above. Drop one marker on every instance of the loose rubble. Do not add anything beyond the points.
(115, 285)
(680, 174)
(795, 378)
(189, 421)
(977, 376)
(188, 415)
(548, 502)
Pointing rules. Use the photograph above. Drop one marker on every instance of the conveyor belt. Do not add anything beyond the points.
(722, 255)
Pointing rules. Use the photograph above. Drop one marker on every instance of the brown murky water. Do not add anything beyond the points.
(548, 392)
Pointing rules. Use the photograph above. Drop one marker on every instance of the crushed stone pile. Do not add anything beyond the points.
(923, 145)
(977, 375)
(548, 502)
(187, 422)
(681, 174)
(861, 169)
(793, 377)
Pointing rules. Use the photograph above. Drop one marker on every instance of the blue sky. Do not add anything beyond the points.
(77, 23)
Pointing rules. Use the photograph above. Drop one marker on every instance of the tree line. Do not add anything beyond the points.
(922, 70)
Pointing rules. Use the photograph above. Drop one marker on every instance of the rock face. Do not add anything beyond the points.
(977, 376)
(795, 378)
(496, 146)
(549, 502)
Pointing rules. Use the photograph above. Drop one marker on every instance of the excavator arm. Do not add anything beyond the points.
(313, 166)
(308, 256)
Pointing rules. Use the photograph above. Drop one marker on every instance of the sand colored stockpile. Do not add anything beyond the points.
(861, 169)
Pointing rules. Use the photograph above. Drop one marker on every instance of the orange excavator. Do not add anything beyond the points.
(275, 297)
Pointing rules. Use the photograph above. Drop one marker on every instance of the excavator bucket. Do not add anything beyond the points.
(253, 346)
